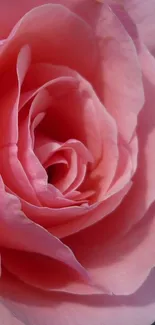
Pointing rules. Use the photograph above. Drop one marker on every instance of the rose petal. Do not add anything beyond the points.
(121, 74)
(126, 166)
(18, 232)
(90, 122)
(9, 116)
(123, 250)
(81, 123)
(18, 9)
(7, 316)
(32, 307)
(119, 264)
(142, 13)
(65, 182)
(47, 194)
(76, 155)
(45, 273)
(94, 214)
(51, 217)
(127, 72)
(0, 266)
(52, 31)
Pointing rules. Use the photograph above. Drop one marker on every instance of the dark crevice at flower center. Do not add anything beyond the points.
(55, 173)
(50, 172)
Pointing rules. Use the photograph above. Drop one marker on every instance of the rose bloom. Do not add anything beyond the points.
(77, 162)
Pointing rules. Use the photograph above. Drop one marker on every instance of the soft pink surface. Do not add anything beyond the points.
(77, 185)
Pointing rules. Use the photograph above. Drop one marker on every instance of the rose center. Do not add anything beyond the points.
(56, 172)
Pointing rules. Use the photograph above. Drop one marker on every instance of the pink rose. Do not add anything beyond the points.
(77, 162)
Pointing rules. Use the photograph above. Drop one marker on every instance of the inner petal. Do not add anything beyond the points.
(47, 194)
(76, 113)
(66, 163)
(63, 176)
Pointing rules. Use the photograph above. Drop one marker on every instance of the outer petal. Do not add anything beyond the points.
(119, 72)
(52, 32)
(18, 232)
(120, 77)
(7, 317)
(118, 264)
(143, 14)
(9, 100)
(45, 273)
(32, 307)
(120, 256)
(15, 9)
